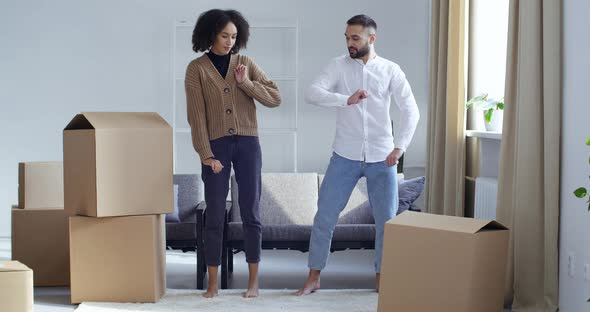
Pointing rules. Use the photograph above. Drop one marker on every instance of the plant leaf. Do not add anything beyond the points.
(580, 192)
(488, 115)
(501, 105)
(588, 142)
(477, 100)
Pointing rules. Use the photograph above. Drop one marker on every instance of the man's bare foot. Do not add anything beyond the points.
(211, 282)
(311, 284)
(377, 279)
(252, 291)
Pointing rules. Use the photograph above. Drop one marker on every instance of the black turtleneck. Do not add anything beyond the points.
(221, 62)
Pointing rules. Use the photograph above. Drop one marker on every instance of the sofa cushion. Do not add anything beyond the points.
(409, 191)
(181, 231)
(286, 198)
(275, 232)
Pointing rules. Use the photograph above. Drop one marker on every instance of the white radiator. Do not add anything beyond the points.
(486, 190)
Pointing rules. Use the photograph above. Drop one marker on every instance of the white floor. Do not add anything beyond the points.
(279, 269)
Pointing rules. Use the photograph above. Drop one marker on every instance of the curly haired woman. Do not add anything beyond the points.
(221, 87)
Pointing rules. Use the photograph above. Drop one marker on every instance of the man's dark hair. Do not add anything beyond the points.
(362, 20)
(212, 22)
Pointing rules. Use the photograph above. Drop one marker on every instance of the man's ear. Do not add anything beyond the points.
(372, 38)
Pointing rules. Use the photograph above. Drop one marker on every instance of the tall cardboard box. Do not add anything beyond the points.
(117, 259)
(118, 164)
(441, 263)
(40, 240)
(40, 185)
(16, 287)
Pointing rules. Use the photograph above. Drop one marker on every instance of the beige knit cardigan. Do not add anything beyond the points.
(218, 107)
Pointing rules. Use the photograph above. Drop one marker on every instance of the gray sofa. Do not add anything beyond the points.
(288, 205)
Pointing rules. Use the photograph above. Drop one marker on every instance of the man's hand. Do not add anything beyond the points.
(215, 164)
(393, 157)
(240, 73)
(356, 98)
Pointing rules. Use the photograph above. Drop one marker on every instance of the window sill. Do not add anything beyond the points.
(484, 134)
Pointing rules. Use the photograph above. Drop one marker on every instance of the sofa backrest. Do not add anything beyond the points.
(291, 198)
(358, 209)
(286, 198)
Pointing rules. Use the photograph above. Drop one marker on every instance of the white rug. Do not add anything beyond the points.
(231, 300)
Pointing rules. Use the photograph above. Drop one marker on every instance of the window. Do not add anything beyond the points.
(488, 35)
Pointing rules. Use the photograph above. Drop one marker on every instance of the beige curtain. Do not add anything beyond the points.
(528, 194)
(446, 140)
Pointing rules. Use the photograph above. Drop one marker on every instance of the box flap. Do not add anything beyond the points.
(79, 122)
(493, 225)
(119, 120)
(13, 266)
(444, 223)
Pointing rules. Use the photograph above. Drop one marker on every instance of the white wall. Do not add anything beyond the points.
(575, 217)
(59, 58)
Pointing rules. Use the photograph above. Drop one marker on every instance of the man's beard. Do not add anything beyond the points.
(358, 53)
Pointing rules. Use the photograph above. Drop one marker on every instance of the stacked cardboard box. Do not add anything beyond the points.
(40, 185)
(16, 284)
(442, 263)
(118, 184)
(40, 224)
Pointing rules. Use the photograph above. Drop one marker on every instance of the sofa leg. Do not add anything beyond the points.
(224, 263)
(201, 268)
(230, 261)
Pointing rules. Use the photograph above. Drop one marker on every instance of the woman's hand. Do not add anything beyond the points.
(240, 73)
(215, 164)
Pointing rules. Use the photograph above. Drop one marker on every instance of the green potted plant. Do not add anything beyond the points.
(493, 122)
(582, 192)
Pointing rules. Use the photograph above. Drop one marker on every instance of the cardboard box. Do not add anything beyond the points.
(118, 164)
(16, 287)
(40, 185)
(442, 263)
(118, 259)
(40, 241)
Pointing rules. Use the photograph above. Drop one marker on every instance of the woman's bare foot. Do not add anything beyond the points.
(311, 284)
(211, 282)
(252, 291)
(211, 292)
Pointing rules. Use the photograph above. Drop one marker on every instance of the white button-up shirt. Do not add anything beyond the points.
(363, 131)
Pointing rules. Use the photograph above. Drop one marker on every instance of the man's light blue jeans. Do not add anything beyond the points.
(341, 178)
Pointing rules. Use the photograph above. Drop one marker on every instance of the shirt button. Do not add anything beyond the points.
(226, 90)
(231, 130)
(228, 111)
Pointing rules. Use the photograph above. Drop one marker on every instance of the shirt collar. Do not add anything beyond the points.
(361, 61)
